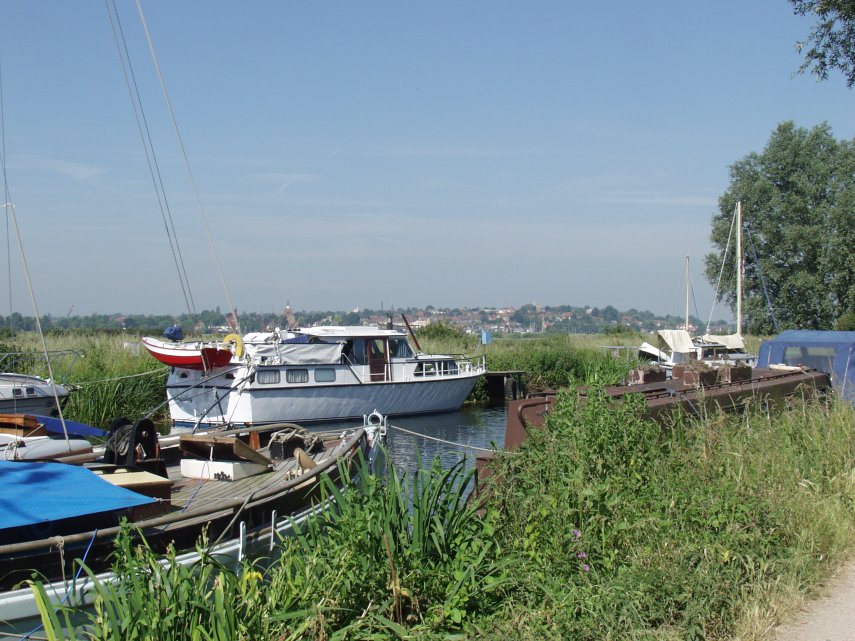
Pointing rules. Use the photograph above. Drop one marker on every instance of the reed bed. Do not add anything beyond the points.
(112, 376)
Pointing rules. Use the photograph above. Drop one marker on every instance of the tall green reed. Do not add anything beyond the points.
(395, 556)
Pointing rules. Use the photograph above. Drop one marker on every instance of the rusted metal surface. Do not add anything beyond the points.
(690, 395)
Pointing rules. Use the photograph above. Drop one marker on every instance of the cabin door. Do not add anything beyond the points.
(378, 358)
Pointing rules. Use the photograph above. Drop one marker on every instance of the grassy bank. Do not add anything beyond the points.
(707, 530)
(605, 526)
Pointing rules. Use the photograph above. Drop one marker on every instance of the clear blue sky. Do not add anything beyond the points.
(353, 154)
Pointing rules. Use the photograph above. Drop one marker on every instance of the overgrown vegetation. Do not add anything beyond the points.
(604, 526)
(699, 531)
(399, 557)
(112, 375)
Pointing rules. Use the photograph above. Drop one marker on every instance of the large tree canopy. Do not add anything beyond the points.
(798, 200)
(831, 42)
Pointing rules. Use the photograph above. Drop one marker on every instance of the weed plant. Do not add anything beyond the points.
(702, 530)
(113, 376)
(399, 556)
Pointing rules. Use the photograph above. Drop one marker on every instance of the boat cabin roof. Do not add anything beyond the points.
(327, 333)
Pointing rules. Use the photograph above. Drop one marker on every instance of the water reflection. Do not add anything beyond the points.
(450, 436)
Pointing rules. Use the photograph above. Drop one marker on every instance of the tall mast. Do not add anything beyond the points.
(687, 294)
(739, 268)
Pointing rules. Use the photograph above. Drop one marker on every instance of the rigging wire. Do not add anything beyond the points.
(151, 155)
(10, 213)
(721, 271)
(6, 196)
(762, 280)
(202, 214)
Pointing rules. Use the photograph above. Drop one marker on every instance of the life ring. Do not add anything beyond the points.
(375, 419)
(237, 341)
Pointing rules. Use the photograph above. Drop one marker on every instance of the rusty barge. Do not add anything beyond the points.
(691, 391)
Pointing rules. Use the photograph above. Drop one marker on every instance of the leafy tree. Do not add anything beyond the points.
(798, 197)
(831, 42)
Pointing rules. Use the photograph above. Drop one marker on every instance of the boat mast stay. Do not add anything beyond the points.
(201, 207)
(739, 265)
(10, 215)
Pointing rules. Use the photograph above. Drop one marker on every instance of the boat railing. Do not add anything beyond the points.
(34, 364)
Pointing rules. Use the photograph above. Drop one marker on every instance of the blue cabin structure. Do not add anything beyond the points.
(827, 351)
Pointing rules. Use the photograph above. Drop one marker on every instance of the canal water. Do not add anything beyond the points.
(451, 436)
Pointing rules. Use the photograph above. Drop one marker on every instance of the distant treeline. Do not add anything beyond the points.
(558, 319)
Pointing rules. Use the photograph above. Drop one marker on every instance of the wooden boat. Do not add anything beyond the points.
(27, 437)
(245, 497)
(199, 355)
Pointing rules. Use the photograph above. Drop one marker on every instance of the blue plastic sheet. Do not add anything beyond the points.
(41, 492)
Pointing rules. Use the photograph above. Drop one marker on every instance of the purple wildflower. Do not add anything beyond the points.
(585, 567)
(577, 534)
(582, 555)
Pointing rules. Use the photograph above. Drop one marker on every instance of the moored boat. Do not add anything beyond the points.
(321, 374)
(243, 497)
(199, 355)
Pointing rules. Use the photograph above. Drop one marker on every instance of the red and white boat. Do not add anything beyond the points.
(199, 355)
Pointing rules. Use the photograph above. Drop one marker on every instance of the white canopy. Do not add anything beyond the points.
(677, 340)
(730, 341)
(299, 354)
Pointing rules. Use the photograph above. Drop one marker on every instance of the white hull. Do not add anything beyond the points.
(23, 394)
(321, 374)
(214, 402)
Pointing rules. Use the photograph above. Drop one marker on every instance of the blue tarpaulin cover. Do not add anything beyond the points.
(54, 426)
(39, 492)
(827, 351)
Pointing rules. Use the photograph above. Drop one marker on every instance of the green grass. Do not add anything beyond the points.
(701, 531)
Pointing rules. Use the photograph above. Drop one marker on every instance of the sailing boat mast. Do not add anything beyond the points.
(686, 325)
(739, 268)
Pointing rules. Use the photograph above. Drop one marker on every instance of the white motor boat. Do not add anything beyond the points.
(25, 394)
(321, 374)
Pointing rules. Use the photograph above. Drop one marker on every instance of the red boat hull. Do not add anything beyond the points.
(188, 356)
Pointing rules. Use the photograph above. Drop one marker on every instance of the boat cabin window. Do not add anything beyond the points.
(821, 358)
(324, 375)
(267, 376)
(354, 352)
(400, 348)
(297, 375)
(17, 391)
(448, 368)
(378, 349)
(425, 369)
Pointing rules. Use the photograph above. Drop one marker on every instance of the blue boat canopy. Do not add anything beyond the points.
(827, 351)
(36, 493)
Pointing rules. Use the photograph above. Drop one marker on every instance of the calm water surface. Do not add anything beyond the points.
(449, 436)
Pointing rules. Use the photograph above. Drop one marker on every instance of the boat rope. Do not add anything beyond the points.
(202, 214)
(198, 487)
(162, 370)
(7, 197)
(721, 271)
(762, 280)
(442, 440)
(10, 209)
(151, 156)
(60, 543)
